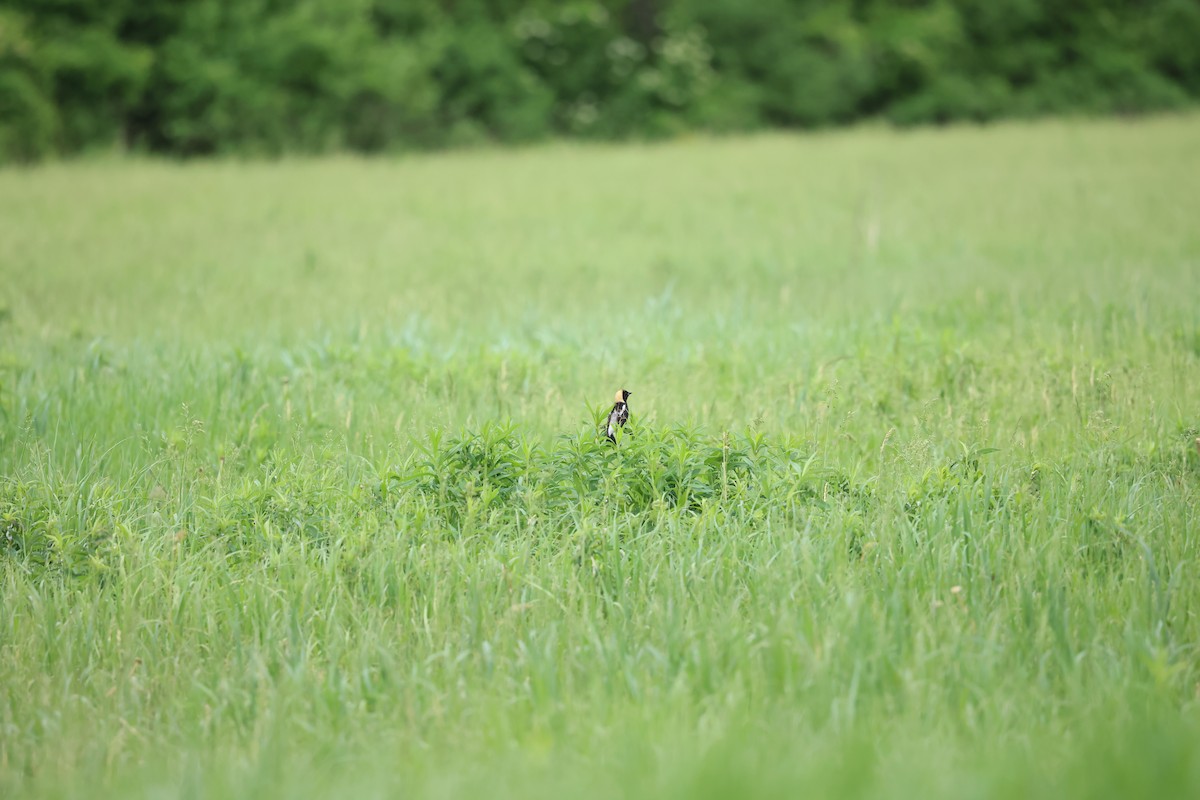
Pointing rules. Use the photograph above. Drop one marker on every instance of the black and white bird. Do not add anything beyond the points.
(618, 416)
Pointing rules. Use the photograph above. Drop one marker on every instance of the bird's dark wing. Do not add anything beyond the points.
(610, 424)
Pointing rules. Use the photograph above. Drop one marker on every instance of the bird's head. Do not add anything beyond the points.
(622, 395)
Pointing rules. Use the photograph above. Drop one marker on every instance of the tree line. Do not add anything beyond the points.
(195, 77)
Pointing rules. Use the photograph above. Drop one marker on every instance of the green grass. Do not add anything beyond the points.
(301, 492)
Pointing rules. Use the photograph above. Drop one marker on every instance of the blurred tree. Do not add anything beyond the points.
(268, 76)
(28, 118)
(486, 91)
(93, 77)
(808, 60)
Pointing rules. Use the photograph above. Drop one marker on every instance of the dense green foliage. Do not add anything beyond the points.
(270, 76)
(301, 492)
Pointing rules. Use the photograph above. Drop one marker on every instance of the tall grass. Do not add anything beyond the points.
(302, 491)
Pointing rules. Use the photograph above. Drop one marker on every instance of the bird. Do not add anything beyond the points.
(618, 416)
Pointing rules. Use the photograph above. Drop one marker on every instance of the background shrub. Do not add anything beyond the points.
(272, 76)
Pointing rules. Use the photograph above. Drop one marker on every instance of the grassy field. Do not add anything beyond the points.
(301, 493)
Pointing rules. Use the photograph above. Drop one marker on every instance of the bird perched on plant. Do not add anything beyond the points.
(618, 416)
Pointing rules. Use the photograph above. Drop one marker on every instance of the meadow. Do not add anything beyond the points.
(301, 491)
